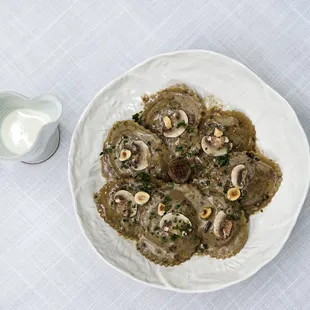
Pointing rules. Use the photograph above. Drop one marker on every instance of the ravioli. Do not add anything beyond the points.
(130, 149)
(174, 115)
(168, 233)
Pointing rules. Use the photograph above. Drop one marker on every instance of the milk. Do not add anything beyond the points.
(20, 129)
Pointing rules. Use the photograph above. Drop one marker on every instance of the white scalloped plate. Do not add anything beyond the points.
(279, 134)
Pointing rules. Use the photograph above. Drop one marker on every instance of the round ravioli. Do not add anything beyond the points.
(222, 226)
(168, 233)
(131, 149)
(225, 131)
(174, 114)
(248, 178)
(222, 235)
(119, 203)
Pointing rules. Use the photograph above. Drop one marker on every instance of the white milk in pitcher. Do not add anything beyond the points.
(20, 128)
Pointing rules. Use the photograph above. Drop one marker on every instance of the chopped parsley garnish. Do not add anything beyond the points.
(166, 200)
(167, 208)
(181, 124)
(174, 237)
(136, 117)
(177, 206)
(171, 185)
(190, 129)
(223, 160)
(164, 239)
(124, 165)
(143, 177)
(179, 148)
(219, 184)
(108, 150)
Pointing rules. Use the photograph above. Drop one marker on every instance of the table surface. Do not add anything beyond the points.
(72, 49)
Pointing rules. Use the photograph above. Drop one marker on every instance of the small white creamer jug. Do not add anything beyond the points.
(28, 127)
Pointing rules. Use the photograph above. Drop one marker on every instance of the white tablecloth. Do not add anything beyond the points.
(72, 49)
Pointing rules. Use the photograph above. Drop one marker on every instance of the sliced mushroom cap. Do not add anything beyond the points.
(215, 146)
(179, 125)
(126, 203)
(179, 170)
(238, 175)
(140, 155)
(122, 197)
(217, 226)
(177, 224)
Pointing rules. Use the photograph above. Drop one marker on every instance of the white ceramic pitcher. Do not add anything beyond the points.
(47, 138)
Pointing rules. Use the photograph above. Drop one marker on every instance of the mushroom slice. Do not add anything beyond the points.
(215, 146)
(141, 155)
(126, 202)
(122, 197)
(177, 224)
(179, 125)
(219, 218)
(179, 170)
(238, 175)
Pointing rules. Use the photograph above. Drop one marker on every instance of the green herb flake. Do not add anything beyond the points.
(181, 124)
(223, 160)
(179, 148)
(166, 200)
(164, 239)
(171, 185)
(136, 117)
(190, 129)
(143, 177)
(124, 165)
(108, 150)
(174, 237)
(177, 206)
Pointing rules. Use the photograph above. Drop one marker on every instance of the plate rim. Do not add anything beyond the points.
(298, 208)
